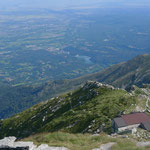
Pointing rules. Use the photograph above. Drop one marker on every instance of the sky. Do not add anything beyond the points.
(54, 4)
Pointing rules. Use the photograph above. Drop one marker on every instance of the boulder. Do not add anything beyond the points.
(9, 143)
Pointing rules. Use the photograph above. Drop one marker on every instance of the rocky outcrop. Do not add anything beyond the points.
(95, 84)
(9, 143)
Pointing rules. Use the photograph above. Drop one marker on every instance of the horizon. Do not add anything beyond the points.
(67, 4)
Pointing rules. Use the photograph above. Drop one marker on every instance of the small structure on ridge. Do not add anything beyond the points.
(126, 123)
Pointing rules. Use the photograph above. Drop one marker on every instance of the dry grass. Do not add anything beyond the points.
(82, 141)
(71, 141)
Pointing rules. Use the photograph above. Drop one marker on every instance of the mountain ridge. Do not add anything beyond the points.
(122, 75)
(89, 109)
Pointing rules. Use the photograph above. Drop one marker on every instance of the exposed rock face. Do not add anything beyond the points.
(9, 143)
(95, 84)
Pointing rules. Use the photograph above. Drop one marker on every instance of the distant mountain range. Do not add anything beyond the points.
(126, 74)
(123, 75)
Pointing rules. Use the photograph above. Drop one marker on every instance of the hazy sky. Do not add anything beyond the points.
(64, 3)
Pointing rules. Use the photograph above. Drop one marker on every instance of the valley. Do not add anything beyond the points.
(73, 74)
(15, 99)
(41, 45)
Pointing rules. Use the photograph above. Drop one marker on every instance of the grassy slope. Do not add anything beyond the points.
(89, 109)
(15, 99)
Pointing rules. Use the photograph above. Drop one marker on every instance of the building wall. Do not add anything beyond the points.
(122, 129)
(114, 127)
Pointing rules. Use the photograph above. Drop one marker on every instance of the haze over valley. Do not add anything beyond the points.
(48, 40)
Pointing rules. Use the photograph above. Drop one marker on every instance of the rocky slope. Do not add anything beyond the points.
(10, 143)
(89, 109)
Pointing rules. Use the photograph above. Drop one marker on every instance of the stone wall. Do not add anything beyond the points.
(128, 128)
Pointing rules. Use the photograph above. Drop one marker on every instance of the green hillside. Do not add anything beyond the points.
(15, 99)
(125, 74)
(89, 109)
